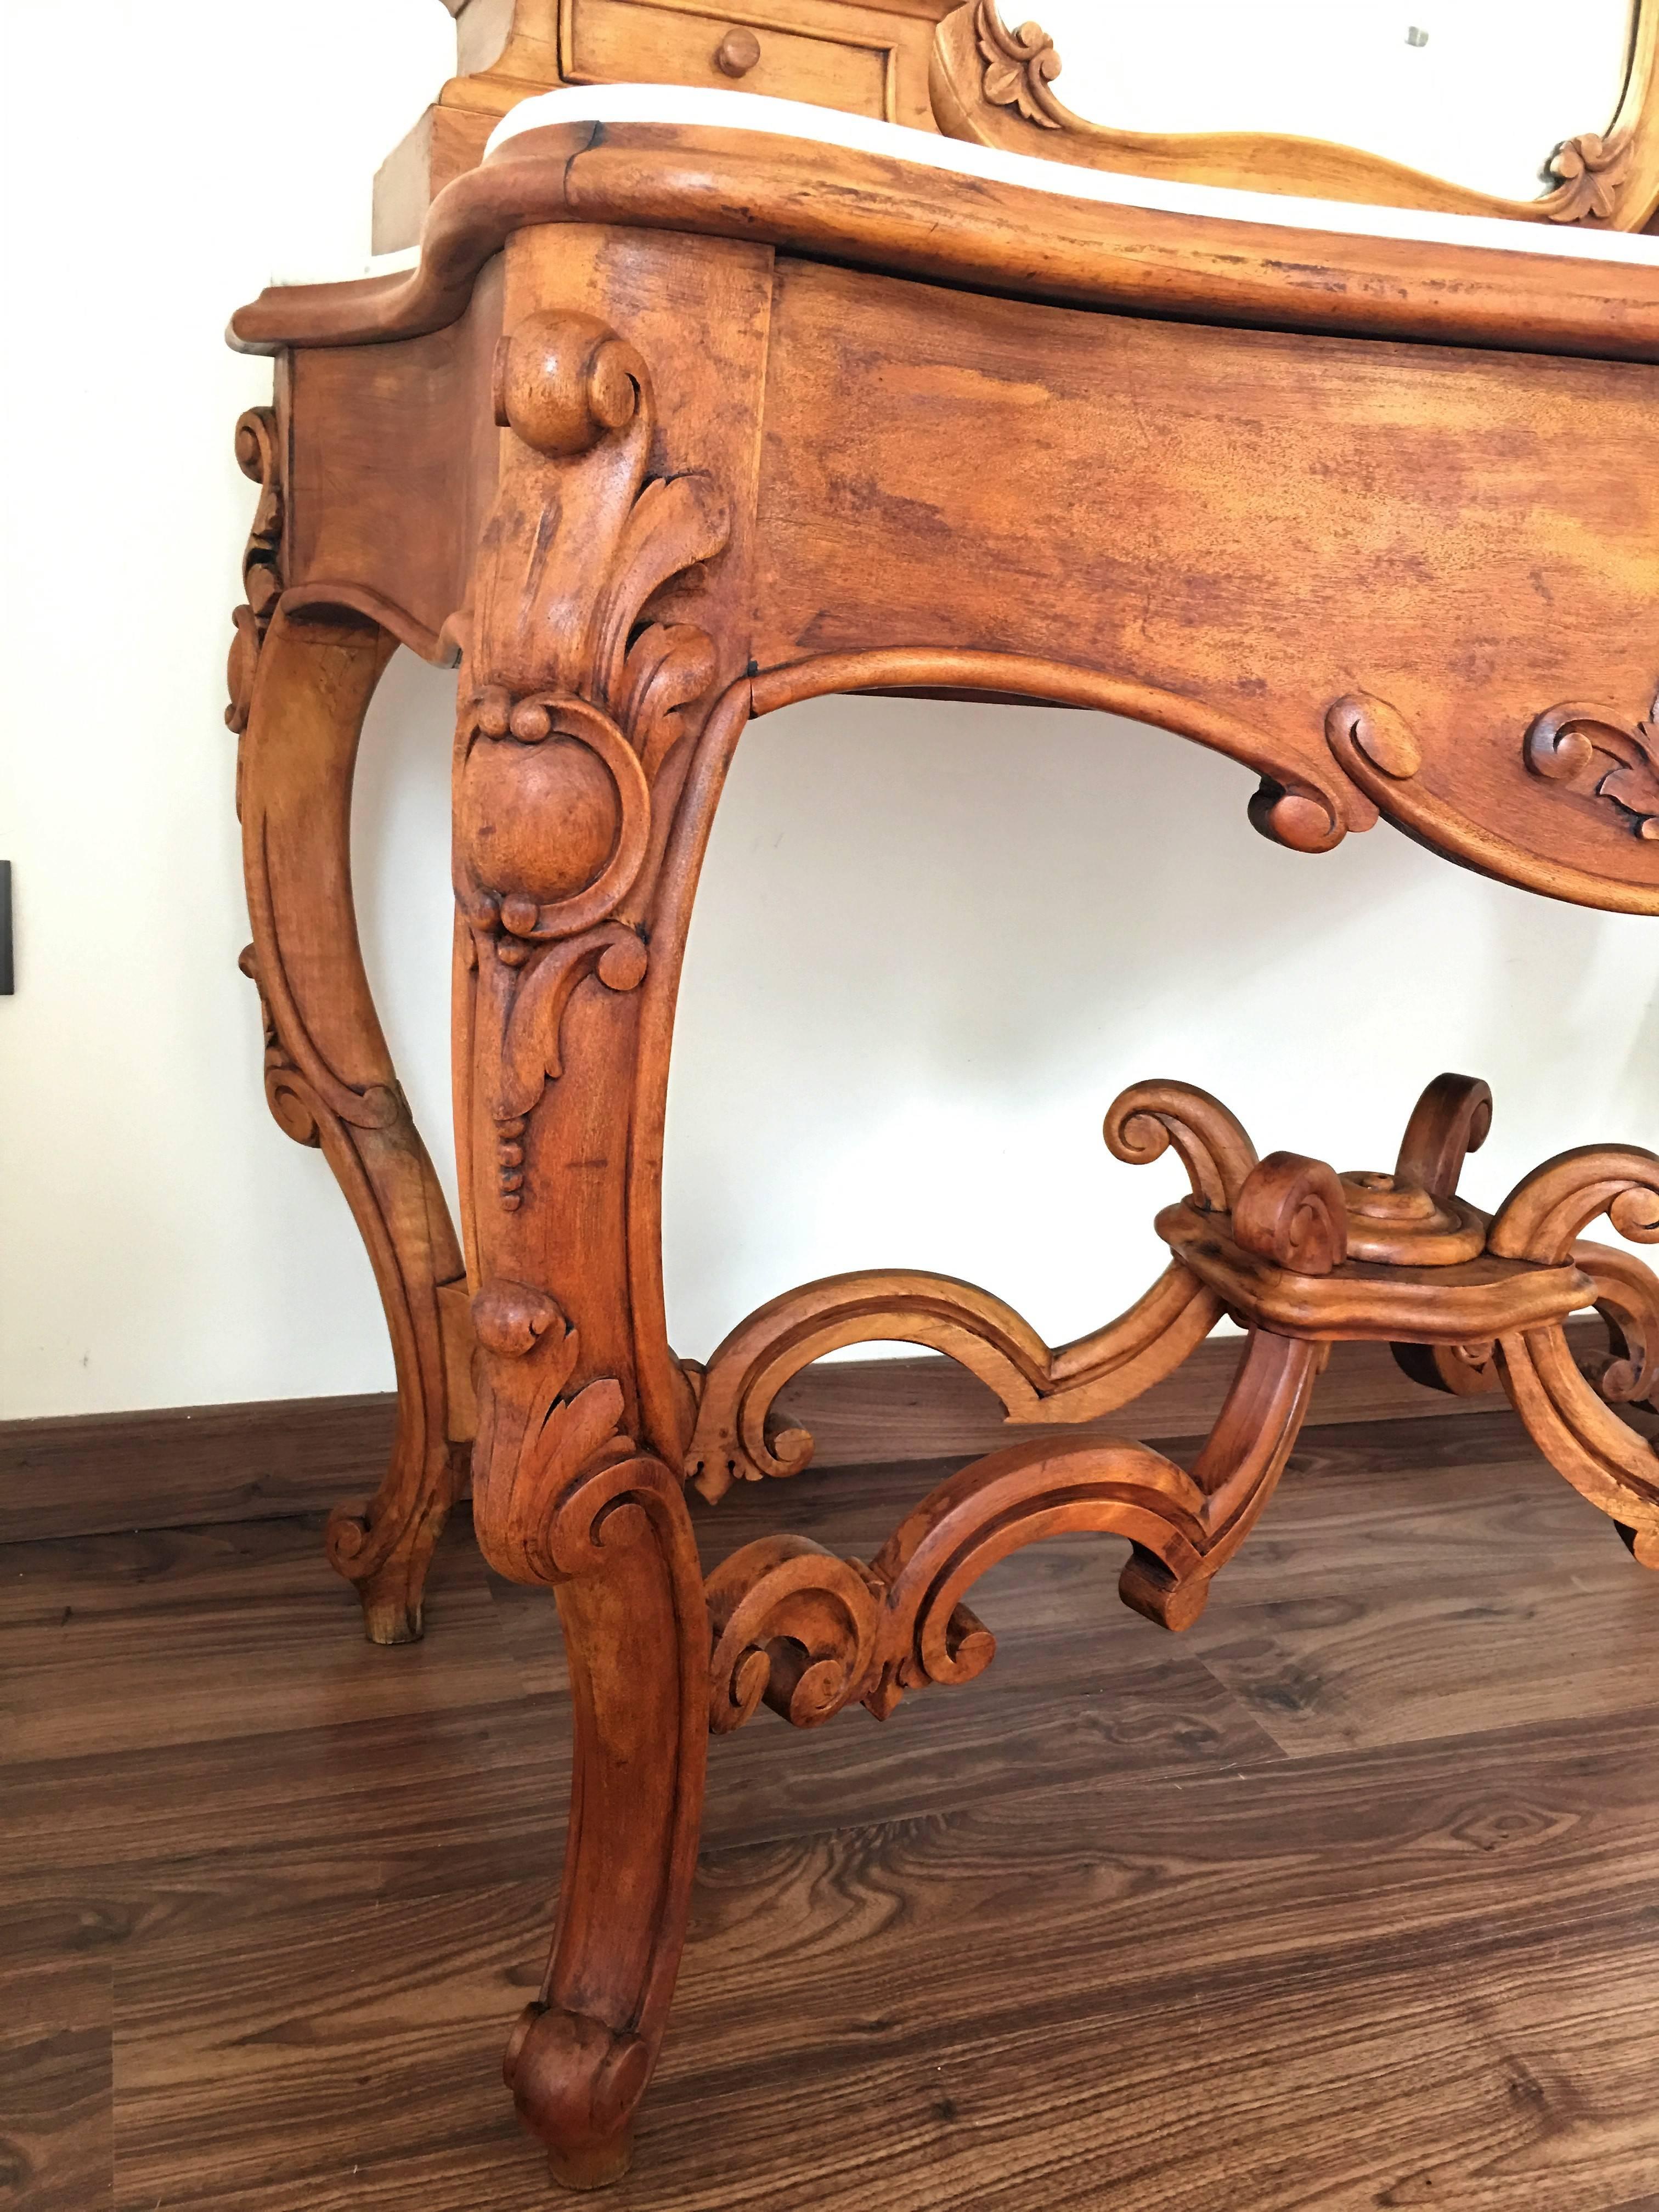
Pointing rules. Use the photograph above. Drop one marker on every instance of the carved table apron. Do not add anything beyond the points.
(1377, 518)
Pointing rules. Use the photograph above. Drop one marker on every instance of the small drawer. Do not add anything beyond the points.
(653, 42)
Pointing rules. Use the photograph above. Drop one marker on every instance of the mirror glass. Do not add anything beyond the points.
(1480, 92)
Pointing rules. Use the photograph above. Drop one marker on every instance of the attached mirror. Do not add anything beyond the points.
(1512, 107)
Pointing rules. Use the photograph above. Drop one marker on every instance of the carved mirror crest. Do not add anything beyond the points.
(1522, 108)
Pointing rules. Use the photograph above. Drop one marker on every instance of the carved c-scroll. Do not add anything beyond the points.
(1550, 1208)
(1291, 1210)
(736, 1436)
(1627, 1300)
(810, 1633)
(1605, 1459)
(1143, 1122)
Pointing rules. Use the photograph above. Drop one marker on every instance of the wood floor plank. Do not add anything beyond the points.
(337, 2037)
(222, 1834)
(1344, 1900)
(1428, 1605)
(1029, 1996)
(118, 1643)
(57, 2088)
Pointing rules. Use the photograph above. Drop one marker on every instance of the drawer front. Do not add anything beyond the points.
(649, 42)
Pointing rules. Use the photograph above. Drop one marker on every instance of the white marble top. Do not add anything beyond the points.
(827, 126)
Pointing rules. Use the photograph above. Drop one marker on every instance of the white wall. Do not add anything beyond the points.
(912, 989)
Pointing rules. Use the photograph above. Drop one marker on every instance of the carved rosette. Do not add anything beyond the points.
(1020, 65)
(258, 458)
(1591, 170)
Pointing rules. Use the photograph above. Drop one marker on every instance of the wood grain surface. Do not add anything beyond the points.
(973, 232)
(1344, 1900)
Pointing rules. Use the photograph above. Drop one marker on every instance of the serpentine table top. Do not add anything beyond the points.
(1472, 533)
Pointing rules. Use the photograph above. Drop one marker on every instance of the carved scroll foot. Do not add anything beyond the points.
(575, 2083)
(391, 1591)
(561, 1498)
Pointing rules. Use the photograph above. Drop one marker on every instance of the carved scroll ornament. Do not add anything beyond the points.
(809, 1633)
(1303, 1257)
(1592, 751)
(570, 714)
(738, 1437)
(1020, 67)
(257, 457)
(570, 707)
(1571, 1416)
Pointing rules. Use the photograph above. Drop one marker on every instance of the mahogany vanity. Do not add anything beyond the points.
(689, 414)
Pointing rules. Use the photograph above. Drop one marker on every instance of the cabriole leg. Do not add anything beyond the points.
(301, 685)
(570, 755)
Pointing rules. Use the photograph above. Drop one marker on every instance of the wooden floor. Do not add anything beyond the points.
(1349, 1898)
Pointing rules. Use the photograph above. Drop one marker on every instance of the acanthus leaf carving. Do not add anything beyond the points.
(534, 1443)
(259, 458)
(1019, 66)
(1595, 749)
(572, 700)
(1591, 170)
(1592, 751)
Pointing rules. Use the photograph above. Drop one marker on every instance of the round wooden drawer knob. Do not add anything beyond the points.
(736, 53)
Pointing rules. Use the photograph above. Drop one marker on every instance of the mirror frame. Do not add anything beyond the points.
(995, 86)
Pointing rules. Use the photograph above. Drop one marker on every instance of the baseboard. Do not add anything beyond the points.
(91, 1474)
(94, 1474)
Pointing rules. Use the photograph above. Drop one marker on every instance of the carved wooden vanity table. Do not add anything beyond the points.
(787, 409)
